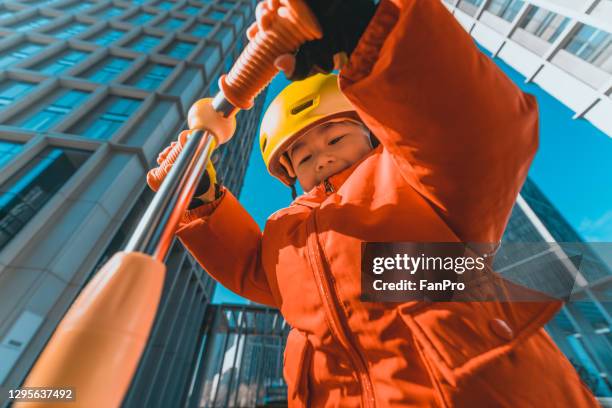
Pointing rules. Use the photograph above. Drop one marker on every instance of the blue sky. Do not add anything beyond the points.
(573, 167)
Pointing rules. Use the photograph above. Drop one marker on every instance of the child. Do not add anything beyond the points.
(456, 141)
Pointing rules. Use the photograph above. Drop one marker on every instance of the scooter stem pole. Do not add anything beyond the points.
(154, 233)
(291, 25)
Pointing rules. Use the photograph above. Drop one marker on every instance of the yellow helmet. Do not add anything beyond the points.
(298, 108)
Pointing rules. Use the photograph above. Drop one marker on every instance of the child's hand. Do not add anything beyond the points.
(286, 64)
(342, 21)
(205, 191)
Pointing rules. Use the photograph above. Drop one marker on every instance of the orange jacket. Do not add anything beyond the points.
(457, 138)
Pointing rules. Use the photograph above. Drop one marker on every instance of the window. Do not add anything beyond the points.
(229, 61)
(225, 35)
(506, 9)
(544, 24)
(26, 193)
(210, 57)
(237, 20)
(18, 53)
(228, 4)
(69, 30)
(8, 150)
(107, 36)
(108, 70)
(151, 76)
(140, 18)
(180, 49)
(470, 6)
(165, 5)
(592, 45)
(213, 87)
(145, 43)
(216, 14)
(191, 10)
(239, 47)
(107, 118)
(201, 29)
(4, 12)
(61, 62)
(109, 12)
(53, 113)
(171, 23)
(12, 90)
(246, 9)
(31, 23)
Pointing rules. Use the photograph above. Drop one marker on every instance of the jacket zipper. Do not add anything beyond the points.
(329, 187)
(331, 305)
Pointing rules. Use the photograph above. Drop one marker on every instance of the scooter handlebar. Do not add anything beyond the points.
(289, 25)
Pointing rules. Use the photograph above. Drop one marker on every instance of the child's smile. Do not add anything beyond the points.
(326, 150)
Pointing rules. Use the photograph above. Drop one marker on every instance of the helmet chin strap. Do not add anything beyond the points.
(293, 191)
(286, 165)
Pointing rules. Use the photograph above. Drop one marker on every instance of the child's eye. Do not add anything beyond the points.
(336, 140)
(305, 159)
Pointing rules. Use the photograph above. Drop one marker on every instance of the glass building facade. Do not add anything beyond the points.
(564, 46)
(90, 92)
(541, 250)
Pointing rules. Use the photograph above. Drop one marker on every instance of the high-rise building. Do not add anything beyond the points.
(564, 46)
(542, 251)
(90, 92)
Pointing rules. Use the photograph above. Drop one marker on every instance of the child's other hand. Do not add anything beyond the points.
(286, 64)
(205, 190)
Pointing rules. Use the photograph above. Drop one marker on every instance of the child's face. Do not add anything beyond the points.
(326, 150)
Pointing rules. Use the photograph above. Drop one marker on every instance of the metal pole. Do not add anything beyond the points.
(239, 349)
(194, 394)
(242, 363)
(261, 356)
(156, 228)
(220, 371)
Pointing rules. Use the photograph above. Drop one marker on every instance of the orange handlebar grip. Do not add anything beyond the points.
(291, 25)
(156, 176)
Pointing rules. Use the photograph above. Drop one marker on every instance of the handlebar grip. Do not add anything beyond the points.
(291, 25)
(156, 176)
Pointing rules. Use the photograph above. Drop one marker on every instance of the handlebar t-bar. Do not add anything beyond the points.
(290, 26)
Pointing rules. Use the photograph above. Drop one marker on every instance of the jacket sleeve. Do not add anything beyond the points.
(461, 133)
(226, 241)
